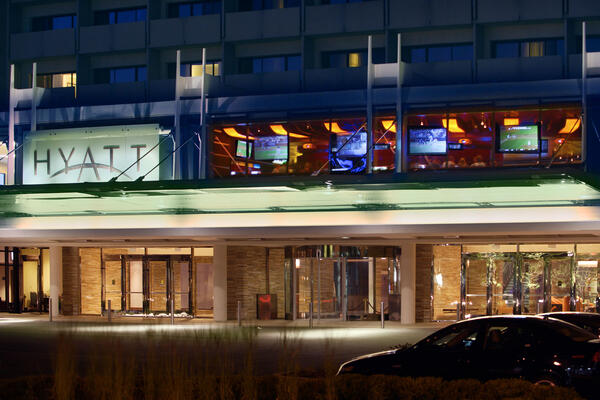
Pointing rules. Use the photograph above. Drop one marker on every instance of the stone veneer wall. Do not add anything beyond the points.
(424, 260)
(447, 262)
(247, 277)
(71, 281)
(91, 281)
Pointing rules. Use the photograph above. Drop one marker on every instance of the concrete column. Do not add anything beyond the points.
(55, 276)
(220, 283)
(408, 262)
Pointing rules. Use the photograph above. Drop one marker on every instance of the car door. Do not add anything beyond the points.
(450, 353)
(508, 349)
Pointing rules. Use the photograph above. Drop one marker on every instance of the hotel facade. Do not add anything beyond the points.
(282, 159)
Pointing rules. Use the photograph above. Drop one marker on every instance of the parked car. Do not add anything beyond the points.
(541, 350)
(586, 320)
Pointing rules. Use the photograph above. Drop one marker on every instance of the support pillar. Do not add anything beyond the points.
(408, 262)
(55, 276)
(220, 283)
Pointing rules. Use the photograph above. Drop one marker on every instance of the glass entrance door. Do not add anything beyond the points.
(158, 283)
(112, 278)
(475, 272)
(181, 279)
(532, 284)
(134, 284)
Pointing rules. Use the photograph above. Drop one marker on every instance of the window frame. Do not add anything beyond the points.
(111, 17)
(46, 23)
(427, 48)
(251, 61)
(521, 42)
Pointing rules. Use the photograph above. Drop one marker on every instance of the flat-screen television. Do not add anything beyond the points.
(243, 149)
(518, 139)
(352, 145)
(427, 140)
(271, 148)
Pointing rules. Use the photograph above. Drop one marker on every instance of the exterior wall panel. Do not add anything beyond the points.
(338, 18)
(439, 73)
(411, 14)
(424, 261)
(584, 8)
(184, 31)
(107, 38)
(71, 287)
(91, 281)
(34, 45)
(274, 23)
(519, 69)
(132, 92)
(336, 79)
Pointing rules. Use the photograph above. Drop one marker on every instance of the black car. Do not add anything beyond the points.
(586, 320)
(542, 350)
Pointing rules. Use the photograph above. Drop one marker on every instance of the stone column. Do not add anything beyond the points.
(55, 276)
(220, 283)
(408, 282)
(71, 302)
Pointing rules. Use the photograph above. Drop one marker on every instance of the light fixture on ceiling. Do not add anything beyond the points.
(235, 134)
(571, 125)
(334, 127)
(280, 130)
(511, 121)
(389, 125)
(452, 125)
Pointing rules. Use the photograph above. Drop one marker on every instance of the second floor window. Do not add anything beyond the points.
(528, 48)
(352, 58)
(195, 69)
(253, 65)
(120, 16)
(58, 80)
(451, 52)
(53, 23)
(120, 74)
(250, 5)
(189, 9)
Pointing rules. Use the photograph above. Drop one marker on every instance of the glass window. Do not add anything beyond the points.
(53, 23)
(269, 64)
(193, 8)
(506, 49)
(58, 80)
(273, 64)
(246, 5)
(440, 54)
(529, 48)
(120, 16)
(294, 63)
(351, 58)
(456, 337)
(462, 52)
(418, 54)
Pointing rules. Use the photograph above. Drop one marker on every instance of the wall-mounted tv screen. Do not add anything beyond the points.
(426, 140)
(352, 145)
(518, 139)
(271, 148)
(243, 149)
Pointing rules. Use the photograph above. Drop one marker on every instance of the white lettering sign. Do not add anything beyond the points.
(91, 154)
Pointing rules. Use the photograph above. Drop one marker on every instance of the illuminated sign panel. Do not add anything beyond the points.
(91, 154)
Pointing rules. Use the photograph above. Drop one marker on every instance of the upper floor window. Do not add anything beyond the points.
(53, 23)
(351, 58)
(58, 80)
(342, 1)
(120, 74)
(450, 52)
(250, 5)
(528, 48)
(192, 8)
(120, 16)
(195, 69)
(592, 44)
(252, 65)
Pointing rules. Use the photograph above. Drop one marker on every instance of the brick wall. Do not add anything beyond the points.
(424, 258)
(71, 281)
(247, 277)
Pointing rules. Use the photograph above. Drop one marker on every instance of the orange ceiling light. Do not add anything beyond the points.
(280, 130)
(308, 146)
(334, 127)
(452, 125)
(235, 134)
(389, 125)
(464, 141)
(511, 121)
(571, 125)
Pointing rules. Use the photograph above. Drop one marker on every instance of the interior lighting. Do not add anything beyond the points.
(334, 127)
(511, 121)
(571, 125)
(308, 146)
(233, 133)
(464, 141)
(280, 130)
(560, 140)
(452, 125)
(587, 264)
(389, 125)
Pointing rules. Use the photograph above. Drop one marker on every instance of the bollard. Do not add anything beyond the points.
(109, 312)
(239, 313)
(50, 309)
(382, 317)
(172, 312)
(310, 315)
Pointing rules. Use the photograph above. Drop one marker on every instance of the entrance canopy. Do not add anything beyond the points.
(520, 197)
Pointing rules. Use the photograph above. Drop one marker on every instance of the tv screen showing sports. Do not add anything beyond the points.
(271, 148)
(519, 139)
(352, 145)
(427, 140)
(244, 149)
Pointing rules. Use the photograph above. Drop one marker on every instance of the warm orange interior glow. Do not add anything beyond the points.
(233, 133)
(334, 127)
(280, 130)
(511, 121)
(389, 125)
(464, 141)
(452, 125)
(571, 125)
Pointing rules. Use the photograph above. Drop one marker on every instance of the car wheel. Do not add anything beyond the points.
(546, 380)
